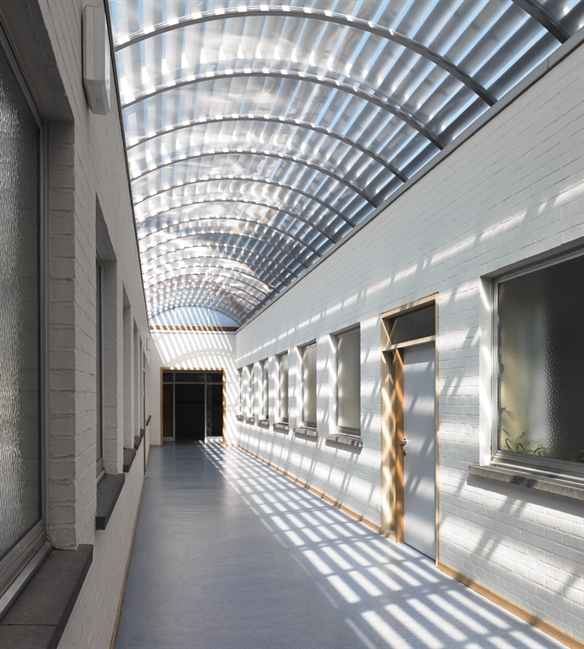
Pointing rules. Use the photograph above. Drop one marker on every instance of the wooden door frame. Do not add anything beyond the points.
(392, 423)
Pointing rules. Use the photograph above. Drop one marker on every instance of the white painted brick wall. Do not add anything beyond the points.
(92, 620)
(186, 350)
(85, 161)
(511, 192)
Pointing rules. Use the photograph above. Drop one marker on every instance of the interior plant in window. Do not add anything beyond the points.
(541, 361)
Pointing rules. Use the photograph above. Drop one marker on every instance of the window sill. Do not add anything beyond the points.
(345, 440)
(138, 440)
(567, 487)
(129, 455)
(281, 427)
(39, 616)
(239, 417)
(108, 492)
(264, 423)
(250, 420)
(305, 431)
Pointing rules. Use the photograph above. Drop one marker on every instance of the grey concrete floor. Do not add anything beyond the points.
(229, 554)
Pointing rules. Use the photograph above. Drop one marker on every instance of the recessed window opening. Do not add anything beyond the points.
(250, 391)
(240, 395)
(193, 405)
(349, 382)
(309, 385)
(21, 325)
(283, 387)
(265, 389)
(99, 366)
(539, 320)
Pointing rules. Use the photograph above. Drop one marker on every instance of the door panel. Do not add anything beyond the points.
(420, 456)
(189, 418)
(168, 410)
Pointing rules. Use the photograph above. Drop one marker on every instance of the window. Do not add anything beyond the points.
(309, 385)
(21, 527)
(265, 389)
(250, 403)
(240, 396)
(349, 382)
(540, 363)
(283, 387)
(98, 367)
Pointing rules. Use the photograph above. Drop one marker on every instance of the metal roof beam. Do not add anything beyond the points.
(238, 312)
(212, 244)
(205, 201)
(154, 277)
(229, 233)
(310, 13)
(257, 179)
(186, 288)
(207, 273)
(234, 218)
(266, 154)
(544, 18)
(290, 121)
(305, 77)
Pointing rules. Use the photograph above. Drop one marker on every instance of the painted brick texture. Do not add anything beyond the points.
(510, 193)
(192, 350)
(84, 165)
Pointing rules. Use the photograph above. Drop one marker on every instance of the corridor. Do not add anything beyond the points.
(229, 554)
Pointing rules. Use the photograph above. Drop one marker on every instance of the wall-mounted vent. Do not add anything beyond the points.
(96, 60)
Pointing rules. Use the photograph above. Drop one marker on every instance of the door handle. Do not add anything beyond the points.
(403, 443)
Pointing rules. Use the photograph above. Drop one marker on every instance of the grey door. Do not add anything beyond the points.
(420, 457)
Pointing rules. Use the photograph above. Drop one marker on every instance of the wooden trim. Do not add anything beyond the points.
(191, 328)
(316, 492)
(437, 432)
(392, 422)
(409, 343)
(520, 612)
(410, 306)
(386, 446)
(397, 436)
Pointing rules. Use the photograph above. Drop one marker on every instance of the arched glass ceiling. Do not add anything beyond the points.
(259, 135)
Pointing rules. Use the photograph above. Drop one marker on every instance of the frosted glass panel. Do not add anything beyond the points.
(250, 390)
(265, 389)
(19, 315)
(541, 362)
(240, 372)
(284, 387)
(309, 385)
(349, 380)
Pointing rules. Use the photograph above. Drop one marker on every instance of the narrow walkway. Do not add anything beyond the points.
(230, 555)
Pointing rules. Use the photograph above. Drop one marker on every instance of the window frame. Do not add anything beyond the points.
(30, 550)
(99, 369)
(281, 418)
(305, 422)
(522, 461)
(250, 391)
(265, 390)
(240, 395)
(346, 430)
